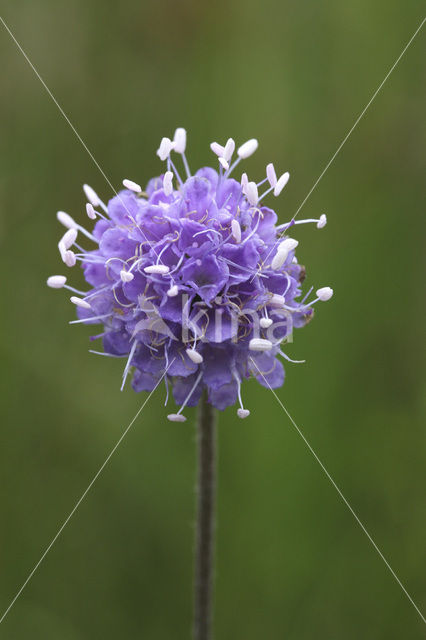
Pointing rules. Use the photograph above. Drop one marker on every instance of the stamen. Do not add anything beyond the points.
(157, 268)
(80, 303)
(265, 323)
(193, 355)
(128, 363)
(229, 149)
(179, 140)
(236, 230)
(126, 276)
(69, 238)
(66, 220)
(78, 291)
(322, 221)
(290, 359)
(56, 282)
(173, 291)
(82, 320)
(281, 182)
(271, 175)
(283, 250)
(132, 186)
(252, 194)
(243, 413)
(244, 183)
(248, 148)
(168, 183)
(277, 300)
(177, 417)
(62, 250)
(306, 296)
(224, 163)
(259, 344)
(92, 196)
(108, 355)
(69, 258)
(163, 151)
(217, 148)
(324, 294)
(70, 223)
(90, 211)
(284, 355)
(171, 164)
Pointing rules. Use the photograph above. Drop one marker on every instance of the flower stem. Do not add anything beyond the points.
(205, 524)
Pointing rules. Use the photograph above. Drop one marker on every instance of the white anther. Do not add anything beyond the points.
(322, 221)
(66, 220)
(69, 258)
(91, 195)
(265, 323)
(179, 140)
(259, 344)
(229, 149)
(62, 249)
(133, 186)
(193, 355)
(248, 148)
(252, 193)
(90, 211)
(217, 148)
(163, 151)
(281, 182)
(56, 282)
(278, 260)
(126, 276)
(325, 293)
(224, 163)
(288, 245)
(277, 300)
(236, 230)
(168, 183)
(69, 238)
(173, 291)
(271, 175)
(243, 413)
(80, 303)
(283, 250)
(161, 269)
(176, 417)
(244, 182)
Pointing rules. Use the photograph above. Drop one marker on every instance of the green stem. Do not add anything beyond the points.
(205, 523)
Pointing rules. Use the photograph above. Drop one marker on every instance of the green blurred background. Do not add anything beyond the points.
(291, 560)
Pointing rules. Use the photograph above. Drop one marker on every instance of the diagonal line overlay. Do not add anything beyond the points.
(299, 431)
(83, 495)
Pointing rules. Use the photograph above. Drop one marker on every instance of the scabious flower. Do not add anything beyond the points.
(192, 279)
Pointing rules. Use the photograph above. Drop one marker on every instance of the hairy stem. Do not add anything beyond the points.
(205, 523)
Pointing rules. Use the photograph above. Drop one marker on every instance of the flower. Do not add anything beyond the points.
(192, 279)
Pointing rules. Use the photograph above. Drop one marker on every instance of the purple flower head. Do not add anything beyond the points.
(192, 279)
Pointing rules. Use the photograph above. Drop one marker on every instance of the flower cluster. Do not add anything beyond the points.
(192, 279)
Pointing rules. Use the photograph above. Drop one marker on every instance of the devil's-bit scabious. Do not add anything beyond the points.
(191, 276)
